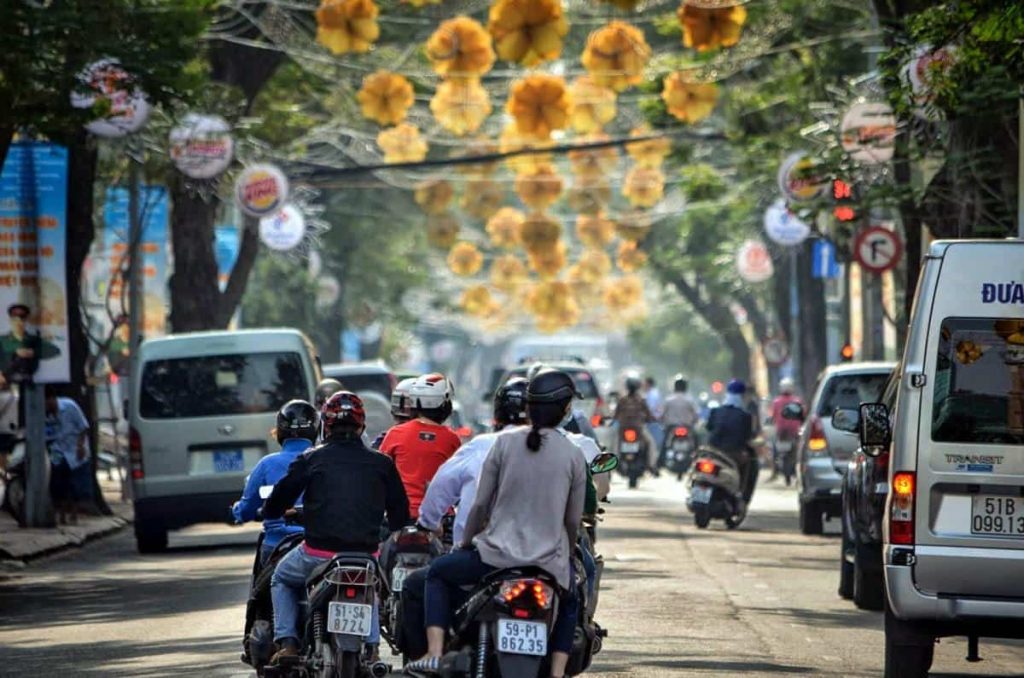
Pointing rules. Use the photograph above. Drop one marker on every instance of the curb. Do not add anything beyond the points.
(16, 562)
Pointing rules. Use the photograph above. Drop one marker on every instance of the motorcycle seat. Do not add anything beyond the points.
(352, 559)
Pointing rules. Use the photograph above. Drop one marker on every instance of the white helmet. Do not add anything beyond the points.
(400, 405)
(431, 392)
(787, 385)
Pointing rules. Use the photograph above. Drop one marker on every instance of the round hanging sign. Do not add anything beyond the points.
(283, 231)
(328, 289)
(784, 227)
(106, 87)
(800, 178)
(201, 146)
(877, 249)
(919, 73)
(261, 190)
(868, 132)
(754, 262)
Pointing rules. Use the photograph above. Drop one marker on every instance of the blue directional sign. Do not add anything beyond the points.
(824, 264)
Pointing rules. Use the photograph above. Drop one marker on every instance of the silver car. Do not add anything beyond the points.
(823, 451)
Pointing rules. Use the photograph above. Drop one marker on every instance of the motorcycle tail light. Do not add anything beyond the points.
(901, 509)
(682, 432)
(413, 538)
(595, 420)
(523, 593)
(464, 431)
(629, 435)
(707, 466)
(135, 454)
(351, 592)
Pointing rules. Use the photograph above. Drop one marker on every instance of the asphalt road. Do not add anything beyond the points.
(677, 601)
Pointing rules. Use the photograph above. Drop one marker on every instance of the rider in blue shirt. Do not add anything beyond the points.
(296, 430)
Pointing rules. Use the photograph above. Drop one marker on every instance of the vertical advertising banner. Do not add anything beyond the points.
(33, 293)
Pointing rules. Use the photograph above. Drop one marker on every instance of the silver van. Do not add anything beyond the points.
(202, 408)
(954, 522)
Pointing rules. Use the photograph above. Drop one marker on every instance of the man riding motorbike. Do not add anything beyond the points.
(401, 410)
(731, 429)
(632, 412)
(348, 489)
(296, 430)
(785, 429)
(679, 409)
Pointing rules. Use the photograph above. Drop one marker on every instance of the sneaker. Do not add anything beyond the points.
(425, 666)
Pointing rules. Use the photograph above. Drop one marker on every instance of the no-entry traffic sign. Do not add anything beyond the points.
(877, 249)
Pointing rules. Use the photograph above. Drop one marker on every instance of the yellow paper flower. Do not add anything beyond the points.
(461, 106)
(594, 162)
(687, 100)
(539, 230)
(442, 230)
(385, 97)
(706, 28)
(649, 152)
(589, 195)
(433, 196)
(616, 54)
(547, 261)
(592, 266)
(539, 104)
(402, 143)
(539, 189)
(504, 227)
(644, 186)
(553, 305)
(508, 273)
(595, 231)
(627, 5)
(460, 47)
(478, 147)
(477, 301)
(593, 106)
(481, 199)
(421, 3)
(511, 140)
(344, 26)
(527, 31)
(622, 293)
(465, 259)
(633, 226)
(630, 257)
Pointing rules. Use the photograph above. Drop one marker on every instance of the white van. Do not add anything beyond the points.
(954, 522)
(202, 408)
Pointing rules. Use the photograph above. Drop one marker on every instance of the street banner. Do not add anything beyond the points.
(226, 242)
(33, 290)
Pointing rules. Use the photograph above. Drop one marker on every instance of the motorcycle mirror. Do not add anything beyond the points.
(846, 420)
(605, 462)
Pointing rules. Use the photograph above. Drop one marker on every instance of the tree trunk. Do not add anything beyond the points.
(195, 293)
(813, 339)
(248, 249)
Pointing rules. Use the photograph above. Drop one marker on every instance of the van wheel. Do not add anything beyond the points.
(150, 538)
(810, 518)
(908, 654)
(845, 567)
(868, 584)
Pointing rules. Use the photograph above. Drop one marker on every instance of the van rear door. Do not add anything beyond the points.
(969, 510)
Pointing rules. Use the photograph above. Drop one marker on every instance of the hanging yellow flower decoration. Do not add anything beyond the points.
(442, 230)
(547, 261)
(508, 273)
(527, 31)
(433, 196)
(644, 186)
(539, 230)
(511, 140)
(504, 227)
(402, 143)
(477, 301)
(594, 162)
(421, 3)
(622, 293)
(589, 195)
(627, 5)
(461, 48)
(553, 305)
(634, 226)
(481, 199)
(595, 231)
(475, 148)
(630, 257)
(385, 97)
(689, 101)
(465, 259)
(344, 26)
(593, 266)
(707, 28)
(648, 152)
(616, 54)
(461, 106)
(539, 104)
(539, 189)
(593, 106)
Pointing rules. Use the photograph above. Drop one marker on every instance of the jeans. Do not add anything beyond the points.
(459, 568)
(288, 590)
(413, 641)
(589, 564)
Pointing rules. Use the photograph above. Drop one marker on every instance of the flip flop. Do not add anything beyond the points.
(425, 666)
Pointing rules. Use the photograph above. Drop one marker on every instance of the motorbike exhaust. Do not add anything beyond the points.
(379, 669)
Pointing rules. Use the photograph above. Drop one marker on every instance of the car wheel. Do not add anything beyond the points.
(845, 567)
(868, 583)
(908, 653)
(150, 538)
(810, 518)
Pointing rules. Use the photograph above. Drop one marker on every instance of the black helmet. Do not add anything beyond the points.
(296, 419)
(325, 389)
(510, 402)
(550, 386)
(632, 384)
(680, 383)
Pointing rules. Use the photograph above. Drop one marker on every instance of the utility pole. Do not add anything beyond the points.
(136, 311)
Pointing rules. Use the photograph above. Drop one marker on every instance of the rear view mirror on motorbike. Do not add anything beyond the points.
(606, 462)
(846, 420)
(793, 411)
(875, 430)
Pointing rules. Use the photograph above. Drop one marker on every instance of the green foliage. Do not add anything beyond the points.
(674, 340)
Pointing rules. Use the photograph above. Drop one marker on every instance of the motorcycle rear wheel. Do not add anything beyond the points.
(348, 665)
(732, 522)
(702, 517)
(14, 499)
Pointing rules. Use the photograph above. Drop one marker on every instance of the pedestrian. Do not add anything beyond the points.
(67, 437)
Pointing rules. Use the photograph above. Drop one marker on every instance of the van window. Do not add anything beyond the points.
(848, 391)
(583, 380)
(979, 381)
(212, 386)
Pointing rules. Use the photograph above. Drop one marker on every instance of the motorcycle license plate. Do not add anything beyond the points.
(681, 445)
(783, 446)
(700, 495)
(349, 619)
(398, 576)
(630, 447)
(997, 515)
(522, 637)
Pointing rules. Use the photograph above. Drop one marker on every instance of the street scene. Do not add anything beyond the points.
(511, 338)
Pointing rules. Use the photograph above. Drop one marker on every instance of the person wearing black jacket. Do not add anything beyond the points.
(347, 490)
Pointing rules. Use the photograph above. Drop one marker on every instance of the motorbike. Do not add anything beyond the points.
(716, 490)
(258, 635)
(679, 449)
(785, 443)
(411, 548)
(632, 455)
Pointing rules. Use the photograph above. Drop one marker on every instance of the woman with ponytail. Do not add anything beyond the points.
(527, 511)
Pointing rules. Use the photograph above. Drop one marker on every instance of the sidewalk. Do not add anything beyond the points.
(18, 545)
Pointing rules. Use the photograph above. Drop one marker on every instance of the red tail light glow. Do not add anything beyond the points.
(135, 454)
(412, 538)
(682, 432)
(526, 591)
(901, 509)
(707, 466)
(350, 592)
(463, 431)
(817, 445)
(595, 420)
(629, 435)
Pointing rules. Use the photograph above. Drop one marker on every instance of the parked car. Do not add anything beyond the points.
(953, 530)
(202, 408)
(364, 376)
(823, 452)
(865, 488)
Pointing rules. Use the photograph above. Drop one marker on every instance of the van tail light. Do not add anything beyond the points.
(901, 509)
(707, 466)
(817, 445)
(629, 435)
(682, 432)
(135, 454)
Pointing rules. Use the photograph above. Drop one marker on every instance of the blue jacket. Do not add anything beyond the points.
(268, 471)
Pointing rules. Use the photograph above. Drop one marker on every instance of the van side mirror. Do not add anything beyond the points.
(875, 432)
(845, 420)
(606, 462)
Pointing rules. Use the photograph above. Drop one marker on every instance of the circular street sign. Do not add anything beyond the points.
(754, 262)
(261, 190)
(801, 178)
(877, 249)
(775, 351)
(784, 227)
(283, 231)
(868, 132)
(105, 85)
(201, 146)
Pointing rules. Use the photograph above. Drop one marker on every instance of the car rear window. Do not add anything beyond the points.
(380, 383)
(218, 385)
(848, 391)
(979, 381)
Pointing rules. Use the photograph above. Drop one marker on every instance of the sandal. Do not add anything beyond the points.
(425, 666)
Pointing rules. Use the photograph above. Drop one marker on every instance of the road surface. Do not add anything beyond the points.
(677, 601)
